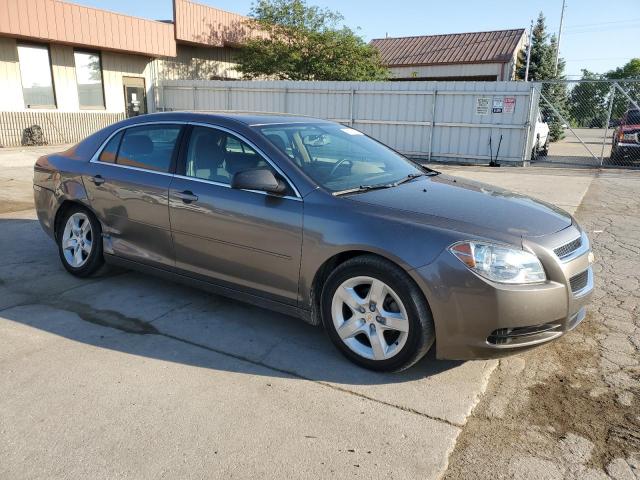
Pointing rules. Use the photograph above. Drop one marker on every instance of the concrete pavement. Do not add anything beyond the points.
(128, 375)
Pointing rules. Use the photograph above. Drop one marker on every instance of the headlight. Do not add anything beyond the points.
(498, 263)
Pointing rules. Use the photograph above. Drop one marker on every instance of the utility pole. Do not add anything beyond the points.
(555, 71)
(526, 72)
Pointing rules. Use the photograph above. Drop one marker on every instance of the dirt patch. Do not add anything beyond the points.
(571, 409)
(537, 411)
(567, 399)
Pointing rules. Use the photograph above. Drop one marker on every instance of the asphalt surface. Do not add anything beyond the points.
(580, 147)
(129, 376)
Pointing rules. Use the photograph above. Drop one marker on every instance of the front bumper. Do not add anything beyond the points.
(629, 149)
(476, 318)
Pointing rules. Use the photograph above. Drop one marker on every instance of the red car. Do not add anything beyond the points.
(626, 138)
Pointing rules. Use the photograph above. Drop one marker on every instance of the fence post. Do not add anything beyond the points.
(162, 105)
(606, 125)
(433, 123)
(286, 100)
(352, 100)
(193, 93)
(529, 124)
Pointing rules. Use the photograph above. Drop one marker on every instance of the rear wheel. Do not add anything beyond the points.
(376, 315)
(80, 242)
(545, 149)
(535, 150)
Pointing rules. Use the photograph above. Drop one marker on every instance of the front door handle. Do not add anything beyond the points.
(187, 196)
(98, 180)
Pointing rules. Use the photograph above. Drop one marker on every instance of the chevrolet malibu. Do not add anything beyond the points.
(317, 220)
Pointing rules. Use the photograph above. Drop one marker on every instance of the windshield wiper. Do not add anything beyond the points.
(411, 176)
(367, 188)
(364, 188)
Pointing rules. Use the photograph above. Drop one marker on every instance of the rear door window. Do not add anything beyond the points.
(150, 147)
(108, 154)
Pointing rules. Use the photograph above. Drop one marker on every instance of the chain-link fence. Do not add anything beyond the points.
(586, 123)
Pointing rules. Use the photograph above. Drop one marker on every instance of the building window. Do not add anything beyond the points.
(89, 78)
(37, 83)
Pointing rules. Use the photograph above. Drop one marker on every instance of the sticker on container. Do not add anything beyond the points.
(498, 104)
(483, 105)
(509, 104)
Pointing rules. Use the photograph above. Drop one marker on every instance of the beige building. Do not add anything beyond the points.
(71, 69)
(476, 56)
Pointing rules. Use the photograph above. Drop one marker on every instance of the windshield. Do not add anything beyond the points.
(339, 158)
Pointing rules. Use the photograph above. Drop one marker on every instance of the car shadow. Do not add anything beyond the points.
(121, 310)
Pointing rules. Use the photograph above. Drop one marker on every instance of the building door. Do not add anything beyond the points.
(135, 97)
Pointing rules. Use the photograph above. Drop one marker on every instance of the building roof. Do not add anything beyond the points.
(475, 47)
(63, 22)
(58, 21)
(204, 25)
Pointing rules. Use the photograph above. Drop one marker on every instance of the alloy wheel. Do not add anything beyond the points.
(77, 240)
(370, 318)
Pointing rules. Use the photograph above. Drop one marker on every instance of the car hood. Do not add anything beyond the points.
(488, 208)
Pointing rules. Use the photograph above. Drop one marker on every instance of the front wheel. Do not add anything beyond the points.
(614, 158)
(376, 315)
(80, 242)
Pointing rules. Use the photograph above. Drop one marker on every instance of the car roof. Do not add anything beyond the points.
(253, 119)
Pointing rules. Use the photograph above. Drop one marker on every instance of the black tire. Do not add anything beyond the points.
(535, 150)
(421, 334)
(95, 259)
(615, 158)
(545, 149)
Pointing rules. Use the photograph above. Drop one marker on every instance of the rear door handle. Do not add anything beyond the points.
(98, 180)
(187, 196)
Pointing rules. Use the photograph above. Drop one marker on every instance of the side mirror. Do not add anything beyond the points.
(261, 179)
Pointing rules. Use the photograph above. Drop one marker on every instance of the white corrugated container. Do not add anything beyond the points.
(429, 120)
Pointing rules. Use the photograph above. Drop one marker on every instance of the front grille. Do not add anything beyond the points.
(518, 335)
(578, 282)
(567, 249)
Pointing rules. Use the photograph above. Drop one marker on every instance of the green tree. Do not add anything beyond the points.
(542, 67)
(589, 101)
(541, 63)
(303, 42)
(630, 70)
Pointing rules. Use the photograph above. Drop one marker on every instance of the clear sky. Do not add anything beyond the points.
(598, 35)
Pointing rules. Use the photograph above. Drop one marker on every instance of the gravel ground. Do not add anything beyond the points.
(571, 409)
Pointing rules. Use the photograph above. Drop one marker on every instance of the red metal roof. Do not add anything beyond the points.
(477, 47)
